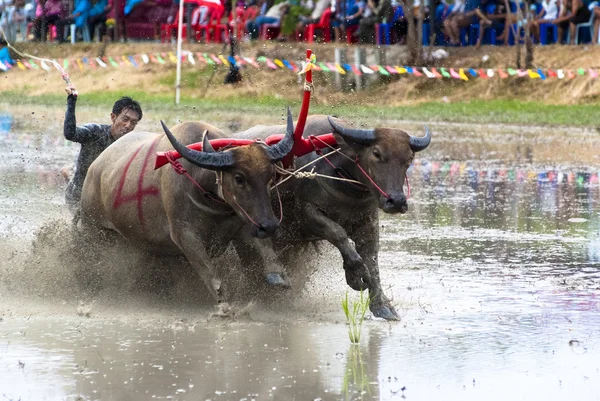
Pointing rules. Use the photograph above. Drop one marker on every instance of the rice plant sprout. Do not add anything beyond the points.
(355, 315)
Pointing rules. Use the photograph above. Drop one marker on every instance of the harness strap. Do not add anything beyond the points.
(340, 171)
(179, 169)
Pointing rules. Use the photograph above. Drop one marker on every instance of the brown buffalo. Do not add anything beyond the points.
(169, 213)
(337, 211)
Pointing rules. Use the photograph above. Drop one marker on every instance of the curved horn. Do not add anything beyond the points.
(211, 161)
(418, 144)
(206, 146)
(360, 136)
(283, 147)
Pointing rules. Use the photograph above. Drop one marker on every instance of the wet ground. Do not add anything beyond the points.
(495, 271)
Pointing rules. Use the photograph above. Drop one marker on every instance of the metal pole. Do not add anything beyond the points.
(179, 35)
(359, 58)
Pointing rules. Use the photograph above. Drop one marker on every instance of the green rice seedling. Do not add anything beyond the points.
(355, 315)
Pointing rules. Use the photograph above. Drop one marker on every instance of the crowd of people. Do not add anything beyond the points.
(23, 20)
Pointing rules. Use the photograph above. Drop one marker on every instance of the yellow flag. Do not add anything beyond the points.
(172, 58)
(310, 63)
(125, 60)
(533, 74)
(279, 63)
(224, 60)
(80, 64)
(463, 76)
(20, 65)
(340, 69)
(401, 70)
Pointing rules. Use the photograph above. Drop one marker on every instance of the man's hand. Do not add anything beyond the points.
(71, 90)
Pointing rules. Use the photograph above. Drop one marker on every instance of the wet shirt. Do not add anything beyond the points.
(94, 138)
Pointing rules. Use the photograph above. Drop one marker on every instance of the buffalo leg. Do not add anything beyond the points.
(254, 252)
(366, 238)
(357, 276)
(194, 250)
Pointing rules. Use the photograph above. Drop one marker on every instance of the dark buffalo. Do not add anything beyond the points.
(337, 211)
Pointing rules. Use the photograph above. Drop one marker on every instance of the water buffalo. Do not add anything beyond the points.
(336, 211)
(197, 214)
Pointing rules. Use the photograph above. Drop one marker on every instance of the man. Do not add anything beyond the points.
(94, 138)
(272, 16)
(378, 11)
(315, 16)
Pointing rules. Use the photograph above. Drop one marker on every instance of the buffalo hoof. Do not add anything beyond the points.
(355, 280)
(277, 280)
(386, 312)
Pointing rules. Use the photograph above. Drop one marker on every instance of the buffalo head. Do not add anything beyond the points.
(385, 154)
(245, 173)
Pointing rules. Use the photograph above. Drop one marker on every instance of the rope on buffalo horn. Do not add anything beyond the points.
(309, 174)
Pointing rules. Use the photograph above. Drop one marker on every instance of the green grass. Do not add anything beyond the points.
(486, 112)
(355, 314)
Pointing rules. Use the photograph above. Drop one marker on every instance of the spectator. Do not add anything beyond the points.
(595, 35)
(471, 14)
(513, 19)
(13, 20)
(347, 14)
(580, 13)
(377, 11)
(315, 16)
(115, 21)
(548, 13)
(97, 18)
(78, 17)
(49, 12)
(5, 54)
(274, 15)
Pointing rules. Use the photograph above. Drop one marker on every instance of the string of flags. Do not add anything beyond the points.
(206, 59)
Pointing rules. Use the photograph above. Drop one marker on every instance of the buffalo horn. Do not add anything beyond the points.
(206, 146)
(360, 136)
(211, 161)
(283, 147)
(418, 144)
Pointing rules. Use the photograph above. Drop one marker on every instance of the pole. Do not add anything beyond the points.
(179, 35)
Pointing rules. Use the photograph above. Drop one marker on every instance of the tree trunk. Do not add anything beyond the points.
(412, 42)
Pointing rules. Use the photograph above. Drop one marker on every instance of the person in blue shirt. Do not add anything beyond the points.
(97, 18)
(5, 55)
(78, 17)
(347, 14)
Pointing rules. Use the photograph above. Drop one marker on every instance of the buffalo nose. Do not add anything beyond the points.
(396, 203)
(268, 229)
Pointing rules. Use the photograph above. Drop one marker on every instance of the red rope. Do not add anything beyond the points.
(179, 169)
(381, 191)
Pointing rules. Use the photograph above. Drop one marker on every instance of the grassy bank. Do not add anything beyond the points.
(567, 102)
(485, 112)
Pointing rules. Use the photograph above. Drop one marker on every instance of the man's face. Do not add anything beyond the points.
(124, 123)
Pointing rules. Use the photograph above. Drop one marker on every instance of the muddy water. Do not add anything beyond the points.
(495, 271)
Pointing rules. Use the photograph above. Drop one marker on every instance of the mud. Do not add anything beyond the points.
(495, 271)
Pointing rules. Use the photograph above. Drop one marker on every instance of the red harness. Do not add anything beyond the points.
(179, 169)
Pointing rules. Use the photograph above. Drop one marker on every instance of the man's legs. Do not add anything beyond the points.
(260, 21)
(60, 28)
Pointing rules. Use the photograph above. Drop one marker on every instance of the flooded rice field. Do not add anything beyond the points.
(495, 272)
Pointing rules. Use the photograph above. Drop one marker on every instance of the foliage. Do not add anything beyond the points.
(355, 315)
(288, 25)
(474, 111)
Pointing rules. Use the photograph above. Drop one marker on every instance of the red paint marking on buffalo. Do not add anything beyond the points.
(141, 192)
